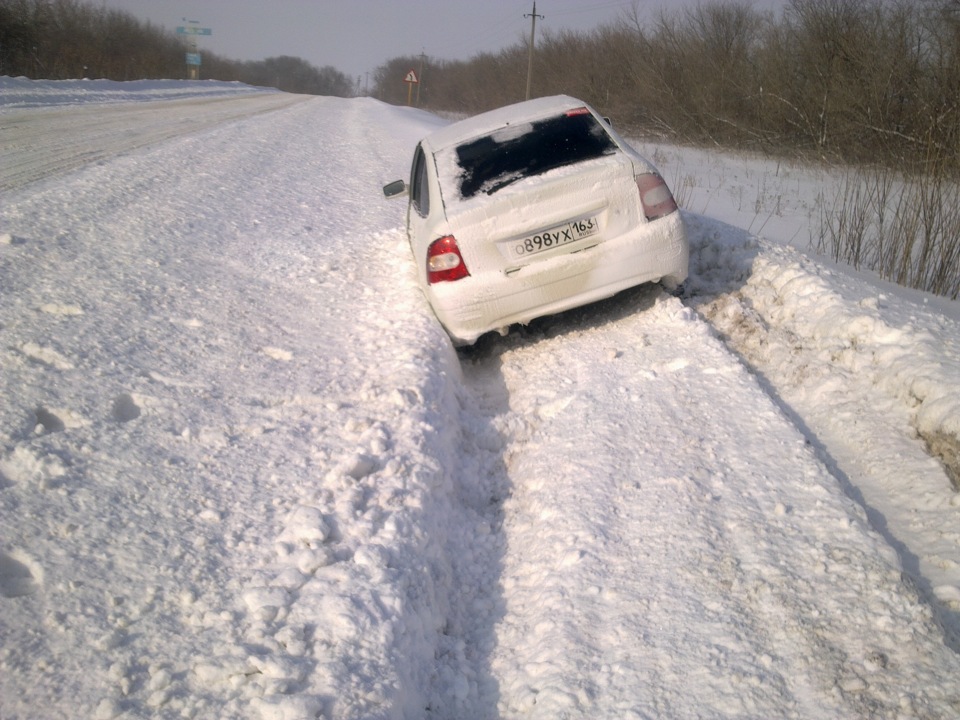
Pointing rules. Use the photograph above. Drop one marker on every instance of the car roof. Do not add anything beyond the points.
(487, 122)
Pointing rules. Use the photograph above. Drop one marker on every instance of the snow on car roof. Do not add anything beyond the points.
(489, 121)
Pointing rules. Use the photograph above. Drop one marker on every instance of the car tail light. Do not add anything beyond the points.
(444, 261)
(655, 196)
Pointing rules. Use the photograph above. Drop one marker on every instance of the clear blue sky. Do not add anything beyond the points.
(356, 36)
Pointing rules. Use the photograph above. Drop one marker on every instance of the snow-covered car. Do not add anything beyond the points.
(532, 209)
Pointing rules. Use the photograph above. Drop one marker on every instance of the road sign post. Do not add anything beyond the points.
(411, 79)
(192, 31)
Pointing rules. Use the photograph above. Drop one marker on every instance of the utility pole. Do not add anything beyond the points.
(533, 28)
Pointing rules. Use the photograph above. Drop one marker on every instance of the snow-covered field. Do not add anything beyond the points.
(243, 474)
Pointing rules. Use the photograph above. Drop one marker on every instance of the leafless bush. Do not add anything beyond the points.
(905, 226)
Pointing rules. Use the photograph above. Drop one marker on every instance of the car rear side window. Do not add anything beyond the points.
(514, 152)
(419, 187)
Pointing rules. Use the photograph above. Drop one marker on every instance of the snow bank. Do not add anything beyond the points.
(904, 340)
(918, 365)
(906, 350)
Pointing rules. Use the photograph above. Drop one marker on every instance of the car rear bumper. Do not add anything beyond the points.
(473, 306)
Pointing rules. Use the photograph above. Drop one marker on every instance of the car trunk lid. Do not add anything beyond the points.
(566, 210)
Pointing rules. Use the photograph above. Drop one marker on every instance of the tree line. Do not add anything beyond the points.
(63, 39)
(850, 80)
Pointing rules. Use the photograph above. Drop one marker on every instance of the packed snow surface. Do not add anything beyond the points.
(243, 473)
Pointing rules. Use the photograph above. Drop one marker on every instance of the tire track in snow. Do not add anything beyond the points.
(674, 547)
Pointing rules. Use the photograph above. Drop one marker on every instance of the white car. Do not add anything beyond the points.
(533, 209)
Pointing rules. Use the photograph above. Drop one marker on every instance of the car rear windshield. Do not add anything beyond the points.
(513, 152)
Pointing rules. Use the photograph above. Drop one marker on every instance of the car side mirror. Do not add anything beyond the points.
(395, 189)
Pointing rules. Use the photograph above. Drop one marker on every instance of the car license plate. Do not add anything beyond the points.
(549, 239)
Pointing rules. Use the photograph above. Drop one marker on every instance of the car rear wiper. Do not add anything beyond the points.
(503, 183)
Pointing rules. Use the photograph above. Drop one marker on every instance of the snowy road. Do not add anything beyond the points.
(48, 140)
(244, 474)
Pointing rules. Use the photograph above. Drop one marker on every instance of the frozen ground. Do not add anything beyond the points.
(243, 473)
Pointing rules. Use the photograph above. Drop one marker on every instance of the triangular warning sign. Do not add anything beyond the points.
(411, 77)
